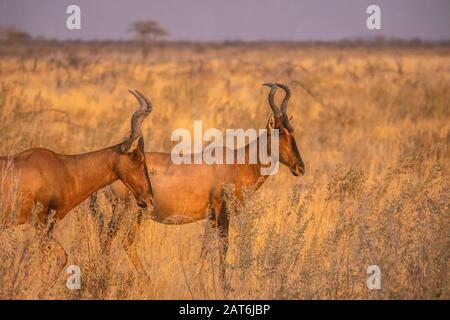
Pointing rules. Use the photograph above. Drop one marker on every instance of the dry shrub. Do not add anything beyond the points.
(373, 130)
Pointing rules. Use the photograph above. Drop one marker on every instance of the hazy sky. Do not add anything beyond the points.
(233, 19)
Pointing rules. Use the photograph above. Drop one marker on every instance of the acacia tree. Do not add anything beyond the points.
(13, 34)
(146, 32)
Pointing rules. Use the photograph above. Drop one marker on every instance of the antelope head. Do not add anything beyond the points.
(131, 167)
(289, 155)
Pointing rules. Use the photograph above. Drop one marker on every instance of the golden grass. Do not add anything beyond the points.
(373, 129)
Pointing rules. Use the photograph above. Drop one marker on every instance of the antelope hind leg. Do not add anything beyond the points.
(210, 228)
(223, 223)
(54, 255)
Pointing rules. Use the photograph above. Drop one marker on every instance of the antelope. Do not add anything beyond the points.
(60, 182)
(190, 192)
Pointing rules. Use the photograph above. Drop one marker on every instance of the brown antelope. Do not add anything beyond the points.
(190, 192)
(61, 182)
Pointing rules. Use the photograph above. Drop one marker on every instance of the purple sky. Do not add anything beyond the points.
(233, 19)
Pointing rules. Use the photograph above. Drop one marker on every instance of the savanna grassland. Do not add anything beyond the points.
(373, 128)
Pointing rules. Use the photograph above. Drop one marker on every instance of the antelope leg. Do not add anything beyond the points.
(51, 246)
(222, 228)
(130, 245)
(210, 227)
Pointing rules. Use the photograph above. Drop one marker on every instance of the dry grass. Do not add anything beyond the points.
(373, 128)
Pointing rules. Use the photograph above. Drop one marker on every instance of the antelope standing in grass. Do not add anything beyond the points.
(190, 192)
(61, 182)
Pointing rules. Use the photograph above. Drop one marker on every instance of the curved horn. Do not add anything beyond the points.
(286, 97)
(276, 111)
(145, 107)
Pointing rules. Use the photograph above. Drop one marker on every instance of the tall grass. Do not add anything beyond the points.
(373, 129)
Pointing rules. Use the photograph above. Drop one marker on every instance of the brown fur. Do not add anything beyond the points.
(61, 182)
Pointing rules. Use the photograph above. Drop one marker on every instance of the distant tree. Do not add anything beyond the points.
(13, 34)
(146, 32)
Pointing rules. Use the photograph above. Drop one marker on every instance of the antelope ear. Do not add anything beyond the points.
(130, 146)
(271, 123)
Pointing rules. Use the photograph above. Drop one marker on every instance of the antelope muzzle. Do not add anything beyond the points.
(298, 169)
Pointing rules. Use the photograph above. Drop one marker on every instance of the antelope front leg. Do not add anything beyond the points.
(113, 226)
(130, 246)
(107, 231)
(95, 212)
